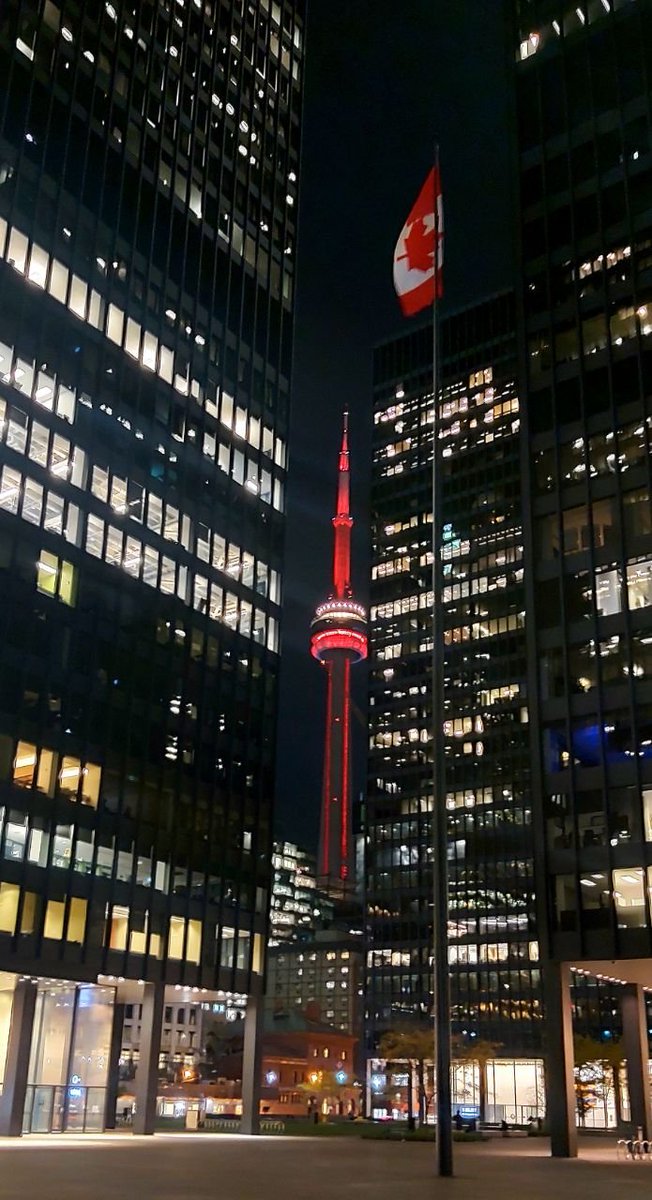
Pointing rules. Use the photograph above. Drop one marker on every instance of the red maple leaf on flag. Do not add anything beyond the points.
(420, 246)
(418, 251)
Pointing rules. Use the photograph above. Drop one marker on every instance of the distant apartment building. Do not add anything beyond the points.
(322, 977)
(188, 1026)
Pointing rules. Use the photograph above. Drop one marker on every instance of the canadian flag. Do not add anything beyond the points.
(415, 273)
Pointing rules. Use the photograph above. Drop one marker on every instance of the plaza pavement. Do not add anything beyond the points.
(229, 1167)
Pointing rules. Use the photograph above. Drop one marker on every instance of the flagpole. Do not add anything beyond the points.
(442, 1015)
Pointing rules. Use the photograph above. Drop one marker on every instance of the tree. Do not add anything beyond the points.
(612, 1057)
(480, 1052)
(223, 1049)
(415, 1044)
(325, 1085)
(127, 1070)
(596, 1061)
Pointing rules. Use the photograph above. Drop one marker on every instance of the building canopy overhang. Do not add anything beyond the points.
(620, 970)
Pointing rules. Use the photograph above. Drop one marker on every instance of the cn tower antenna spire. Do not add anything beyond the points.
(339, 638)
(343, 521)
(343, 474)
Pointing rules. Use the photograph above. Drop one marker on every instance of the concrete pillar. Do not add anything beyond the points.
(635, 1046)
(252, 1061)
(560, 1060)
(150, 1044)
(113, 1074)
(14, 1088)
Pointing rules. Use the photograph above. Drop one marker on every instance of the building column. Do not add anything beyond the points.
(14, 1088)
(560, 1060)
(150, 1045)
(635, 1045)
(252, 1059)
(113, 1074)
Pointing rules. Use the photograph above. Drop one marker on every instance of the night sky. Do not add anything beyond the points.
(384, 78)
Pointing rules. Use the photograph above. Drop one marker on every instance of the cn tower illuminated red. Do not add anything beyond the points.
(338, 638)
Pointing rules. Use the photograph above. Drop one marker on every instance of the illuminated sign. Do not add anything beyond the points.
(469, 1112)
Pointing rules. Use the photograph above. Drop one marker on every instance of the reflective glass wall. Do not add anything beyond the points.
(69, 1058)
(149, 161)
(493, 947)
(584, 118)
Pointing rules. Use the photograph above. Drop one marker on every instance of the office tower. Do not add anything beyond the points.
(582, 78)
(493, 949)
(298, 907)
(148, 192)
(338, 639)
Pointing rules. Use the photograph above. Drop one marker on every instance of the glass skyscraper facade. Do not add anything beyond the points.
(585, 162)
(548, 722)
(584, 144)
(148, 198)
(493, 948)
(298, 906)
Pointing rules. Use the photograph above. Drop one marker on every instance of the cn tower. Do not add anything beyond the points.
(338, 639)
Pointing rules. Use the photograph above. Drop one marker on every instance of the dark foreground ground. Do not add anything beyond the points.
(229, 1167)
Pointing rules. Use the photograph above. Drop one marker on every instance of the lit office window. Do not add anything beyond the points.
(55, 577)
(629, 897)
(9, 897)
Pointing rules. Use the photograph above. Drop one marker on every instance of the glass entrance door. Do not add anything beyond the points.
(69, 1059)
(41, 1117)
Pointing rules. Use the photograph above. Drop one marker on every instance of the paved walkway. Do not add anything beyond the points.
(228, 1167)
